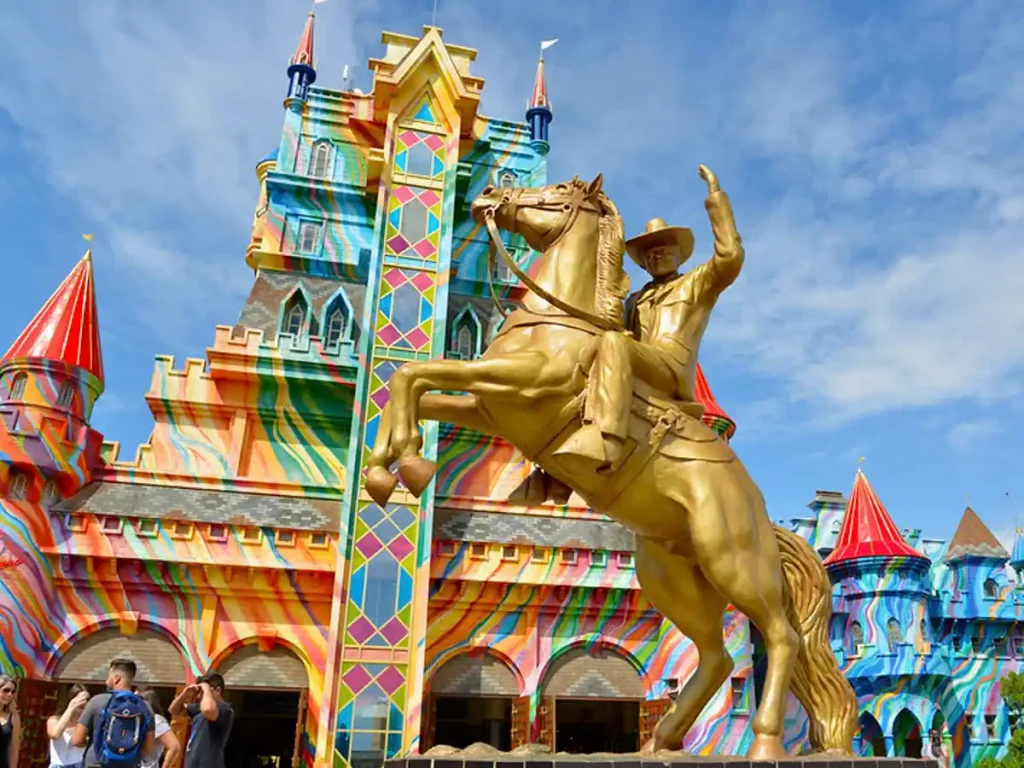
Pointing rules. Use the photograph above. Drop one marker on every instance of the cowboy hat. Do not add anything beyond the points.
(659, 233)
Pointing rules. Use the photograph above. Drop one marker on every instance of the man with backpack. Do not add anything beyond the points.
(117, 725)
(212, 718)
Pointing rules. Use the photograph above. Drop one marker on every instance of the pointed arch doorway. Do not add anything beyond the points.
(269, 691)
(474, 697)
(591, 701)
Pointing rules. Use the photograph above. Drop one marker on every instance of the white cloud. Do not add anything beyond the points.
(152, 117)
(875, 175)
(967, 433)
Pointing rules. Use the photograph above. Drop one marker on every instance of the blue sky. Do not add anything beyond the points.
(872, 151)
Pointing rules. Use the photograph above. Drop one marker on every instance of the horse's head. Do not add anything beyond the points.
(542, 215)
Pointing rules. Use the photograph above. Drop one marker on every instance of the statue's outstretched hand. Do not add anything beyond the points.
(708, 175)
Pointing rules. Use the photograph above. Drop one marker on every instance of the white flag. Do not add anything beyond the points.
(315, 2)
(547, 44)
(344, 72)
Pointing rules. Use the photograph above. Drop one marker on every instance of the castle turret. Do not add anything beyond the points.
(301, 69)
(538, 112)
(977, 562)
(50, 379)
(54, 369)
(882, 580)
(714, 416)
(263, 167)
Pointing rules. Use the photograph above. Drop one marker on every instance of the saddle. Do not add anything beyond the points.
(672, 428)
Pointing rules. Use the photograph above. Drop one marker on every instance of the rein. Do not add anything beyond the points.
(572, 208)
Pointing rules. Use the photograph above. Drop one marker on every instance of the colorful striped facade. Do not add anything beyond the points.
(239, 536)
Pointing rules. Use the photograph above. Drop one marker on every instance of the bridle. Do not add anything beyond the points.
(571, 203)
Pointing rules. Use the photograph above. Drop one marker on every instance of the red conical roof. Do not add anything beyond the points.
(714, 417)
(304, 53)
(539, 99)
(867, 529)
(67, 327)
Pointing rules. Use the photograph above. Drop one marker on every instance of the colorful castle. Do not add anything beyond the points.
(239, 536)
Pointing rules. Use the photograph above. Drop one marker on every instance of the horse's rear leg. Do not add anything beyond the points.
(677, 588)
(734, 543)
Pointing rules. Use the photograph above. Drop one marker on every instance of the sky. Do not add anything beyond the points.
(872, 152)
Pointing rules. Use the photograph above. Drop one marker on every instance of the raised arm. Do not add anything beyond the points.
(178, 705)
(724, 267)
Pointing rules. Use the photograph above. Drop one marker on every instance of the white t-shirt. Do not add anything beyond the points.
(61, 751)
(160, 727)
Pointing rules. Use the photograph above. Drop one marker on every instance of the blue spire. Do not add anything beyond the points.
(538, 113)
(301, 73)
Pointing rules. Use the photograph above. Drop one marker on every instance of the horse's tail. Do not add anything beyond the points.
(817, 682)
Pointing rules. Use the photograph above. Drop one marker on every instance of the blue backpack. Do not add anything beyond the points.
(121, 730)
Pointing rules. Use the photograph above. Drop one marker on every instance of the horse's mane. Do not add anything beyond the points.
(612, 280)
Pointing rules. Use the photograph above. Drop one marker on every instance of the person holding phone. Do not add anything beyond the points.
(60, 727)
(212, 718)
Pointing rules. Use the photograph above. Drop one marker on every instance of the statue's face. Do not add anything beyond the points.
(663, 260)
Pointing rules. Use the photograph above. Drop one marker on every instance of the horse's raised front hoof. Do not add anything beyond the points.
(767, 748)
(380, 484)
(416, 473)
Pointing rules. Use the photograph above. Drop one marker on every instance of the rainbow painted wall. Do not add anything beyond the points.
(242, 521)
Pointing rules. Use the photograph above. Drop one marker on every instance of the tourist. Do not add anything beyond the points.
(167, 744)
(934, 748)
(10, 723)
(212, 718)
(109, 746)
(61, 725)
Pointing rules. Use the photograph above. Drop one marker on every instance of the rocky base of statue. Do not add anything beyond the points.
(539, 756)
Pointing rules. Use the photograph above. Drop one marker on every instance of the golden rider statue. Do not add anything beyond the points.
(665, 322)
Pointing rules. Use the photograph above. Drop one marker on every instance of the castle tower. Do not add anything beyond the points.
(884, 580)
(976, 562)
(425, 102)
(50, 379)
(538, 112)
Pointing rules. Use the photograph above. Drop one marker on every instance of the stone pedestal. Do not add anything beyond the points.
(636, 761)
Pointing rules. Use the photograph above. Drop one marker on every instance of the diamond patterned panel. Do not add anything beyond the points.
(405, 312)
(381, 584)
(418, 153)
(413, 226)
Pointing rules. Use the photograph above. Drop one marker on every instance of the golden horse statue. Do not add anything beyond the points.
(703, 536)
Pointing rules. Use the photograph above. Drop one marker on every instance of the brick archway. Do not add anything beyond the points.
(159, 660)
(600, 673)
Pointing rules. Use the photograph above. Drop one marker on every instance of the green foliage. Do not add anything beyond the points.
(1011, 688)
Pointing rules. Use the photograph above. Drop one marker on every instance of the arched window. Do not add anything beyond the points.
(296, 313)
(895, 631)
(18, 386)
(310, 235)
(856, 634)
(465, 342)
(320, 166)
(19, 485)
(507, 180)
(66, 396)
(335, 325)
(991, 588)
(50, 493)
